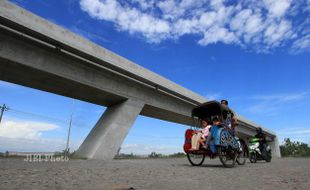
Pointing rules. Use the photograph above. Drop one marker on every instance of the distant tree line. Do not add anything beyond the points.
(4, 154)
(294, 148)
(175, 155)
(151, 155)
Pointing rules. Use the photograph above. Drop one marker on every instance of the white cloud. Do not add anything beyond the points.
(277, 8)
(144, 4)
(271, 104)
(24, 129)
(217, 34)
(253, 24)
(302, 44)
(282, 97)
(186, 26)
(25, 135)
(174, 10)
(259, 25)
(240, 19)
(127, 18)
(275, 33)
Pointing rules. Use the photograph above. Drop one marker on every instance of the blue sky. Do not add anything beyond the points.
(256, 54)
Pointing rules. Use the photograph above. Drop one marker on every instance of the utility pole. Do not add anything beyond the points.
(3, 109)
(69, 131)
(68, 137)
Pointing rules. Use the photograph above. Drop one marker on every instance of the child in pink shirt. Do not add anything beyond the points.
(200, 136)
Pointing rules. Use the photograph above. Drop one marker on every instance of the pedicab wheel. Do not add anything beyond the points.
(195, 159)
(227, 156)
(252, 157)
(242, 154)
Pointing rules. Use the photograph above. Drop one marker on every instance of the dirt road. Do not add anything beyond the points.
(165, 174)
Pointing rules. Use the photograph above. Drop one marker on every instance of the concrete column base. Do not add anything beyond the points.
(110, 131)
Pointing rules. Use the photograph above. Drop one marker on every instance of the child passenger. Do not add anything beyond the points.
(213, 132)
(199, 137)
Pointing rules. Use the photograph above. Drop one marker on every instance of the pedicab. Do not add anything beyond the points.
(223, 143)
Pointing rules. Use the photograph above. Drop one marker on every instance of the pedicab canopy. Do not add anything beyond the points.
(208, 109)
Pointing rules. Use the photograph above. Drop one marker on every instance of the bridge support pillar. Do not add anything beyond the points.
(110, 131)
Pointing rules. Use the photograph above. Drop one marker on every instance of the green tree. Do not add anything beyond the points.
(292, 148)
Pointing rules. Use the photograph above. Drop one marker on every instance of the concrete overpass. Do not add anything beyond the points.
(39, 54)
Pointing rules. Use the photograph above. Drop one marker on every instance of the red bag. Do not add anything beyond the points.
(188, 140)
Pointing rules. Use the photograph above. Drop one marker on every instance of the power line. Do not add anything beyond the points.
(16, 111)
(38, 115)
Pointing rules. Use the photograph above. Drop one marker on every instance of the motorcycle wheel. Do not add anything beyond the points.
(242, 155)
(227, 156)
(196, 159)
(252, 157)
(268, 157)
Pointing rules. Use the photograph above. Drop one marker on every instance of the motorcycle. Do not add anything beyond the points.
(255, 153)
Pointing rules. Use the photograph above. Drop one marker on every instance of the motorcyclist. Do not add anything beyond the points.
(262, 140)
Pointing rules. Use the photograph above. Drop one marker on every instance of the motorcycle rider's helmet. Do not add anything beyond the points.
(259, 130)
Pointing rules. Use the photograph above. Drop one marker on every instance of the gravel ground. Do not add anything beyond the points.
(165, 174)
